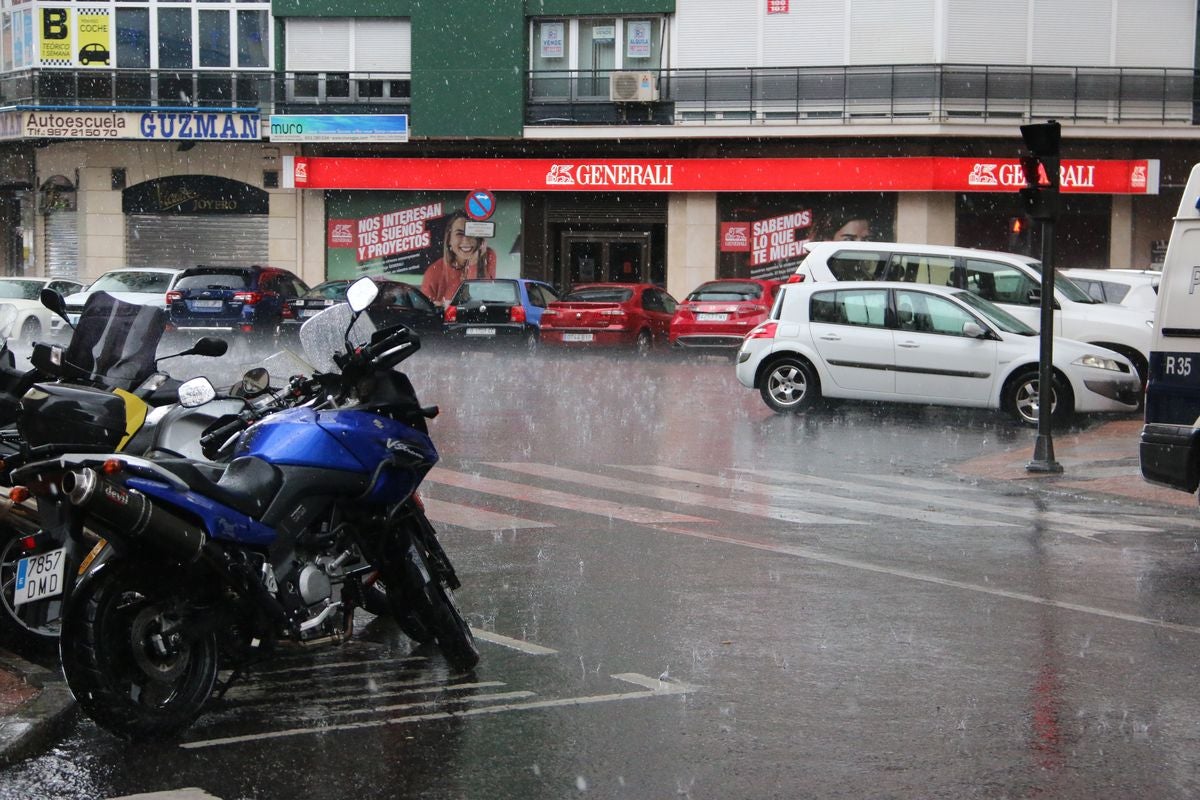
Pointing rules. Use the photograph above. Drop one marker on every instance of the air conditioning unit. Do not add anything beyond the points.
(632, 87)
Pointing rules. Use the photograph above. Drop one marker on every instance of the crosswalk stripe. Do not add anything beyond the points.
(556, 499)
(763, 509)
(808, 497)
(476, 519)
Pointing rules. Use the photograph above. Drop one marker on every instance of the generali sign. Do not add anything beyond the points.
(922, 174)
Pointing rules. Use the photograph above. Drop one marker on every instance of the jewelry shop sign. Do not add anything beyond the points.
(149, 125)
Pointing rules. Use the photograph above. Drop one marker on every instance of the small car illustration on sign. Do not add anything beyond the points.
(94, 53)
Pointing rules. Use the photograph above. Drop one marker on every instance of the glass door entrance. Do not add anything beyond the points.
(608, 257)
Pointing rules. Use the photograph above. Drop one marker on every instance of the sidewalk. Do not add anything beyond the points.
(35, 703)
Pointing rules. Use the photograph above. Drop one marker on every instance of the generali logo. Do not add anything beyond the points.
(1137, 178)
(983, 175)
(735, 237)
(301, 172)
(341, 233)
(1010, 175)
(605, 176)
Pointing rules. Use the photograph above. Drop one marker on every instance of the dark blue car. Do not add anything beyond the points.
(498, 310)
(245, 301)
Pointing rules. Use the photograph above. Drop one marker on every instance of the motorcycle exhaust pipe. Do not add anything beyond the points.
(131, 517)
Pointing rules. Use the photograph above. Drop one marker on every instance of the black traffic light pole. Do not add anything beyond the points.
(1041, 203)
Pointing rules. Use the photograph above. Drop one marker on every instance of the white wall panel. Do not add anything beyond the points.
(719, 33)
(1158, 34)
(987, 32)
(1073, 32)
(811, 34)
(891, 31)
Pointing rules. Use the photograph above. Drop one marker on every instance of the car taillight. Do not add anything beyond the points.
(172, 296)
(250, 298)
(764, 331)
(516, 314)
(451, 314)
(288, 312)
(547, 320)
(750, 308)
(796, 279)
(612, 312)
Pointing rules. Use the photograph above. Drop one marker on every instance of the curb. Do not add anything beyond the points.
(39, 722)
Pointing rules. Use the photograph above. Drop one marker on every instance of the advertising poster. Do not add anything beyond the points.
(637, 39)
(553, 40)
(764, 235)
(54, 37)
(419, 237)
(93, 38)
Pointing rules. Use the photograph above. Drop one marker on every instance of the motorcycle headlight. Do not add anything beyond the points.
(1099, 362)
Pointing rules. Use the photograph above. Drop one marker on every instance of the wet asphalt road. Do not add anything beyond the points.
(679, 594)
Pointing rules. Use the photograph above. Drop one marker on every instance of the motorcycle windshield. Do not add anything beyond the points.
(8, 318)
(115, 342)
(325, 335)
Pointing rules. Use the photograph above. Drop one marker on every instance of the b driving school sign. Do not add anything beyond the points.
(918, 174)
(150, 125)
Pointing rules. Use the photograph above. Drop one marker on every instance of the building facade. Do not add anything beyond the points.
(654, 140)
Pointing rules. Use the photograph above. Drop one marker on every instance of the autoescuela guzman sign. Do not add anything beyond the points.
(150, 125)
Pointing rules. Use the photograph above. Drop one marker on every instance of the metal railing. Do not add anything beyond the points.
(887, 93)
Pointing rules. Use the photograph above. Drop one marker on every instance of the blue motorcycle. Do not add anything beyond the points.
(211, 567)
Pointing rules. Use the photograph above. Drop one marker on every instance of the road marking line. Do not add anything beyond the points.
(516, 644)
(663, 688)
(812, 555)
(549, 497)
(383, 687)
(320, 666)
(476, 519)
(771, 491)
(673, 495)
(520, 695)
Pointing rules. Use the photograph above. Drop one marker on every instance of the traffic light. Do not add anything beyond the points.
(1018, 235)
(1040, 197)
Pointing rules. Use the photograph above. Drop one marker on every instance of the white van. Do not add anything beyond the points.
(1011, 281)
(1170, 445)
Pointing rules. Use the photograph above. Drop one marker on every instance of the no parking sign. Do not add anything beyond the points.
(480, 204)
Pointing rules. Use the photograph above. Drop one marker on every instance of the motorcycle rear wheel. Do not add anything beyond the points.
(117, 676)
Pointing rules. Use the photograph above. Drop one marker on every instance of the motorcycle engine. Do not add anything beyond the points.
(314, 585)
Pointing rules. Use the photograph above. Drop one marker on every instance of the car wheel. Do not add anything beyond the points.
(789, 385)
(30, 330)
(1023, 399)
(644, 343)
(531, 341)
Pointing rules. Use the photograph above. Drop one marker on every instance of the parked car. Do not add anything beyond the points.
(237, 300)
(498, 310)
(911, 343)
(142, 285)
(1012, 282)
(636, 315)
(717, 315)
(32, 318)
(1137, 288)
(396, 303)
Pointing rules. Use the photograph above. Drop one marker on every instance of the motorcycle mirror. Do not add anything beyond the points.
(361, 294)
(210, 346)
(196, 392)
(55, 302)
(255, 382)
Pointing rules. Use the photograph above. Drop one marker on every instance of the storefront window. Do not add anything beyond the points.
(174, 38)
(133, 38)
(764, 235)
(214, 39)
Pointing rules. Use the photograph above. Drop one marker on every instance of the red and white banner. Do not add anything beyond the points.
(735, 237)
(918, 174)
(775, 239)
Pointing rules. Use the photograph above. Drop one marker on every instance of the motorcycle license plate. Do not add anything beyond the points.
(481, 331)
(712, 317)
(577, 337)
(39, 576)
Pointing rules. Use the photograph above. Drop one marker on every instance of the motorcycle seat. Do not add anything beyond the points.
(247, 484)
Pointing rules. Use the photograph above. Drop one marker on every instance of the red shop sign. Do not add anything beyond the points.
(920, 174)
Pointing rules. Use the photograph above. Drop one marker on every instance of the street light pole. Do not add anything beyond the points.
(1041, 203)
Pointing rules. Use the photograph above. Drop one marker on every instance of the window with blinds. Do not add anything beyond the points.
(349, 59)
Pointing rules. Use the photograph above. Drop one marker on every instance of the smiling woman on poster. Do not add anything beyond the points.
(463, 257)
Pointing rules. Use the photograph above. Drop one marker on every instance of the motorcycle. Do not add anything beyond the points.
(211, 574)
(88, 408)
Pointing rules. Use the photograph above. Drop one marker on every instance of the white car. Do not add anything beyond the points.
(142, 285)
(1136, 288)
(910, 343)
(33, 319)
(1011, 281)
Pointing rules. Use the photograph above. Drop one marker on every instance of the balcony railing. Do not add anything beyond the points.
(273, 92)
(889, 93)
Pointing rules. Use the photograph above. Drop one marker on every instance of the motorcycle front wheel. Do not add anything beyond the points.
(432, 604)
(375, 601)
(128, 655)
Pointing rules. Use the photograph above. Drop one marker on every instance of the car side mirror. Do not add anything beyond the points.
(1034, 298)
(974, 330)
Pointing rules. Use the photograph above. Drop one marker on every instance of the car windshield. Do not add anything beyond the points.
(228, 279)
(726, 292)
(132, 282)
(20, 290)
(486, 292)
(333, 290)
(1064, 284)
(995, 314)
(598, 294)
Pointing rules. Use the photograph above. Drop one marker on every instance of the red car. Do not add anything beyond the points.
(617, 314)
(717, 315)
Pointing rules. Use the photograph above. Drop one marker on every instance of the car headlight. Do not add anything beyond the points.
(1099, 362)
